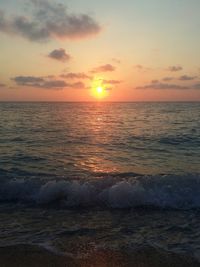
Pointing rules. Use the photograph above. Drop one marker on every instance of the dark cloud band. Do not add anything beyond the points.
(46, 83)
(163, 86)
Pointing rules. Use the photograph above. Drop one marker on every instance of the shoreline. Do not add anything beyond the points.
(35, 256)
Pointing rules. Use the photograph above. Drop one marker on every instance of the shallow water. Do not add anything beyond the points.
(74, 176)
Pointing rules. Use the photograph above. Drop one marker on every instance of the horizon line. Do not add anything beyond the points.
(144, 101)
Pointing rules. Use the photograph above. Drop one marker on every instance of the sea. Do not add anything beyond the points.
(75, 177)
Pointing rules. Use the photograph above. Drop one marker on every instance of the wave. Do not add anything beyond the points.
(180, 139)
(161, 191)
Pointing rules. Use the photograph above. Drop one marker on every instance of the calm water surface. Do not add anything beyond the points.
(83, 139)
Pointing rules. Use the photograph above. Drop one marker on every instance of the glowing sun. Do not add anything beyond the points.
(98, 89)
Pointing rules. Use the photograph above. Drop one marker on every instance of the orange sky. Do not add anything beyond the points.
(124, 51)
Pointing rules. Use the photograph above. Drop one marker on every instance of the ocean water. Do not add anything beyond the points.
(78, 176)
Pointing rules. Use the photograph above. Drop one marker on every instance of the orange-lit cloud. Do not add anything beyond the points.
(104, 68)
(112, 82)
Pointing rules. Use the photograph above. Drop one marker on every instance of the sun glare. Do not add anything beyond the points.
(99, 92)
(98, 89)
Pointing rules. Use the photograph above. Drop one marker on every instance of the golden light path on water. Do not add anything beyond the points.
(97, 161)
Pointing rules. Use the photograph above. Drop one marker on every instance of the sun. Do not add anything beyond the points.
(99, 90)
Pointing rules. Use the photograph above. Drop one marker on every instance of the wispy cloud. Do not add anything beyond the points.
(104, 68)
(73, 75)
(197, 86)
(168, 79)
(162, 86)
(108, 89)
(175, 68)
(60, 55)
(187, 78)
(155, 81)
(111, 82)
(2, 85)
(116, 60)
(49, 20)
(181, 78)
(141, 68)
(46, 83)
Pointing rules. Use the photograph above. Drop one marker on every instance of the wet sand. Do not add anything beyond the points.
(33, 256)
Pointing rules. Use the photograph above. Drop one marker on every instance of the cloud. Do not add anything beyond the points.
(44, 82)
(72, 76)
(2, 85)
(49, 20)
(187, 78)
(77, 85)
(27, 80)
(116, 60)
(167, 79)
(108, 89)
(162, 86)
(53, 84)
(60, 84)
(181, 78)
(60, 55)
(112, 82)
(197, 86)
(104, 68)
(141, 68)
(50, 76)
(155, 81)
(175, 68)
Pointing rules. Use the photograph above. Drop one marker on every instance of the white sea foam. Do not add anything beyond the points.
(166, 191)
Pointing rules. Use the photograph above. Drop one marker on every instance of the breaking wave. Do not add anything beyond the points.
(161, 191)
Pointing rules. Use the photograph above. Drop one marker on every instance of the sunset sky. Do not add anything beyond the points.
(85, 50)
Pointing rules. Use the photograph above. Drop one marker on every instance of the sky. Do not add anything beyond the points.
(87, 50)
